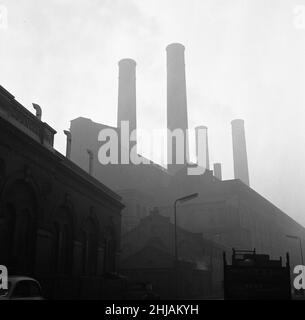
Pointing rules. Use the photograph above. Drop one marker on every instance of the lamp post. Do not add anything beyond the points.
(300, 241)
(180, 200)
(212, 242)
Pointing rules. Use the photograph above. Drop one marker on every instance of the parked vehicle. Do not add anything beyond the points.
(21, 288)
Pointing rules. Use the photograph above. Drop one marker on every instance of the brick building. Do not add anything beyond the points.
(57, 223)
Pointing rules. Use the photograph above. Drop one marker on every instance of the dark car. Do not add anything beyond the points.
(21, 288)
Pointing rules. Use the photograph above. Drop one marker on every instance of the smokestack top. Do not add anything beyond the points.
(175, 46)
(127, 62)
(237, 122)
(201, 127)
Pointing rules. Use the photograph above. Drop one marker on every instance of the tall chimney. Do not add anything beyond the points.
(205, 144)
(240, 159)
(127, 105)
(176, 98)
(217, 171)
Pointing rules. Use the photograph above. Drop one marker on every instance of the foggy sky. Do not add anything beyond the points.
(244, 59)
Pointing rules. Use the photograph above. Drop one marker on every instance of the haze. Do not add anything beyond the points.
(244, 59)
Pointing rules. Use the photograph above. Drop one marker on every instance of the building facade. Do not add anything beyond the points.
(57, 223)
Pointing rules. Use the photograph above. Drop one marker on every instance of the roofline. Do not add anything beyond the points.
(67, 165)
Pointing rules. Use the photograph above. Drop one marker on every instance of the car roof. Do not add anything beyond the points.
(20, 278)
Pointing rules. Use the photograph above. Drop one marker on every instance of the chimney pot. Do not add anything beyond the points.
(217, 171)
(38, 111)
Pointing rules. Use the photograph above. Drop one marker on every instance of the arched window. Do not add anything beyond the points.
(7, 234)
(110, 250)
(65, 248)
(23, 238)
(63, 242)
(90, 245)
(56, 257)
(20, 219)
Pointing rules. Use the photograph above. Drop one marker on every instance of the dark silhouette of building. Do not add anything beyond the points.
(148, 255)
(57, 223)
(136, 184)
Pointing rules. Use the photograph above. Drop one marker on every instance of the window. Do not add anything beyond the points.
(62, 249)
(56, 246)
(20, 214)
(65, 249)
(110, 253)
(2, 168)
(90, 248)
(63, 237)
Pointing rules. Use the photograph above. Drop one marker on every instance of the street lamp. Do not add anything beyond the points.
(180, 200)
(300, 241)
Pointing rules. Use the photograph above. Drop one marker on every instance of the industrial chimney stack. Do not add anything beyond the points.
(240, 151)
(176, 98)
(205, 144)
(127, 104)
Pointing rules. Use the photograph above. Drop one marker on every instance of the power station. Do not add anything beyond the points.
(227, 212)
